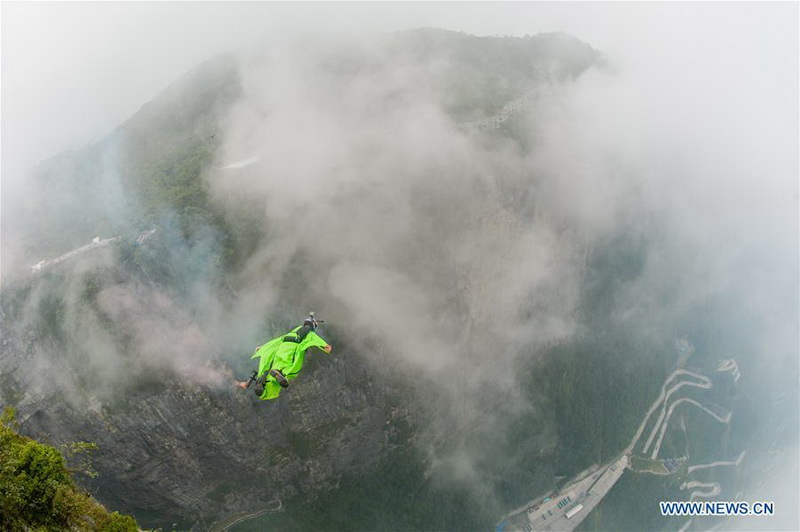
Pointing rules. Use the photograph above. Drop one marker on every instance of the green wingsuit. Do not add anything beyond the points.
(286, 356)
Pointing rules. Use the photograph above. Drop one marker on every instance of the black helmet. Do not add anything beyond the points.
(311, 320)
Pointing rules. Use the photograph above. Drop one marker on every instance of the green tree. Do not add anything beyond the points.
(37, 491)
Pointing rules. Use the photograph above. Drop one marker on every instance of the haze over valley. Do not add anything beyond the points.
(537, 250)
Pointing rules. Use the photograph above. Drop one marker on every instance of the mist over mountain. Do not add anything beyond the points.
(506, 243)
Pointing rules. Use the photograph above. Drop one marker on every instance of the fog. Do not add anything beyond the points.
(426, 240)
(72, 71)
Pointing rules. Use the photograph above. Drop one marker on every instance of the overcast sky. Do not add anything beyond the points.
(72, 72)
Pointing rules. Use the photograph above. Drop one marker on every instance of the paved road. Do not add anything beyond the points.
(576, 500)
(659, 401)
(572, 504)
(94, 245)
(222, 526)
(716, 464)
(724, 419)
(712, 489)
(704, 383)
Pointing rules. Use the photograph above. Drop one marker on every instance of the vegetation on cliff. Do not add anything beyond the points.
(37, 491)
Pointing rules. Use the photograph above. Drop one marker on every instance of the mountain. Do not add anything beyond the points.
(476, 283)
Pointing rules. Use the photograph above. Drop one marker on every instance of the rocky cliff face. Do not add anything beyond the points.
(174, 450)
